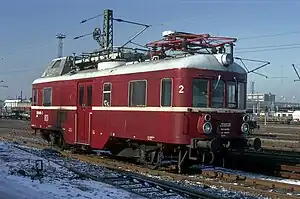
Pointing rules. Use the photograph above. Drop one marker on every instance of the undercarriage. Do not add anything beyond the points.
(155, 155)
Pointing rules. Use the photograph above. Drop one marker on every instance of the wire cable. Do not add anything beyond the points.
(271, 46)
(264, 50)
(270, 35)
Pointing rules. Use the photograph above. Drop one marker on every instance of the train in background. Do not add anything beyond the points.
(183, 98)
(16, 109)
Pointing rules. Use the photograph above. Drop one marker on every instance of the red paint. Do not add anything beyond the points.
(167, 127)
(83, 113)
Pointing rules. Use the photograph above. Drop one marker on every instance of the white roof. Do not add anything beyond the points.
(198, 61)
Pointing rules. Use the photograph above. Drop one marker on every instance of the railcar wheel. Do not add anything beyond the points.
(208, 157)
(62, 144)
(53, 139)
(153, 159)
(45, 135)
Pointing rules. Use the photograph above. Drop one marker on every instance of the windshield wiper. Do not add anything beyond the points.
(219, 77)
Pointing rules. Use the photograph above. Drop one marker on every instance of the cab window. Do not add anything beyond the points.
(217, 94)
(231, 94)
(34, 97)
(241, 95)
(200, 97)
(47, 97)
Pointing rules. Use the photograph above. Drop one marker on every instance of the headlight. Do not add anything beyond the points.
(226, 59)
(207, 127)
(246, 118)
(207, 117)
(245, 127)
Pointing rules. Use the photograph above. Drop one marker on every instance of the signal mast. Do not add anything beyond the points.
(186, 43)
(105, 38)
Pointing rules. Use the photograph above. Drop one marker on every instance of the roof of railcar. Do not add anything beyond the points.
(199, 61)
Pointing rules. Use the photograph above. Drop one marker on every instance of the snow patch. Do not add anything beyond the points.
(19, 179)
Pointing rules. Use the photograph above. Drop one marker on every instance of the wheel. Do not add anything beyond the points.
(53, 139)
(153, 159)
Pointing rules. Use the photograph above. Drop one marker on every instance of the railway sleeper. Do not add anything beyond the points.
(254, 182)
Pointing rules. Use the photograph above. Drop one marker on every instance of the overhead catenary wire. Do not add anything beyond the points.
(269, 49)
(28, 48)
(16, 71)
(238, 50)
(271, 46)
(171, 21)
(270, 35)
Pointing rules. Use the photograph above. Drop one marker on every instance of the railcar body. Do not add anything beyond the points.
(190, 104)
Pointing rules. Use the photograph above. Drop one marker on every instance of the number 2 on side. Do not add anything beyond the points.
(181, 89)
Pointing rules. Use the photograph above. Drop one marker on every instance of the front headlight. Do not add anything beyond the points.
(246, 118)
(207, 117)
(245, 127)
(207, 127)
(226, 59)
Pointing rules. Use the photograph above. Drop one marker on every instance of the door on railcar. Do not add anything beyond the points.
(84, 113)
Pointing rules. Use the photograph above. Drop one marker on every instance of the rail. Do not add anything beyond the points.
(138, 184)
(251, 184)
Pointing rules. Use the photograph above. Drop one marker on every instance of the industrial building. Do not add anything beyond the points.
(264, 104)
(260, 102)
(261, 97)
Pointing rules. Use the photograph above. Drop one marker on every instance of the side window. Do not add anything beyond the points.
(106, 98)
(241, 95)
(137, 93)
(231, 95)
(34, 97)
(89, 95)
(81, 96)
(166, 92)
(47, 97)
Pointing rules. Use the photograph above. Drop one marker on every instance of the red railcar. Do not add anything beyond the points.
(191, 105)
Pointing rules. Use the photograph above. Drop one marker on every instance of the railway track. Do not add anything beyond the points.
(289, 171)
(271, 163)
(233, 181)
(138, 184)
(278, 136)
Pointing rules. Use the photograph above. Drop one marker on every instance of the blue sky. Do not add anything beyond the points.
(28, 29)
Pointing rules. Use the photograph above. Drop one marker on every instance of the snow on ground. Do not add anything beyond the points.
(218, 191)
(19, 180)
(252, 175)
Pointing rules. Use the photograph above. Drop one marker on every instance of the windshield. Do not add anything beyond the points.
(235, 94)
(200, 97)
(217, 98)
